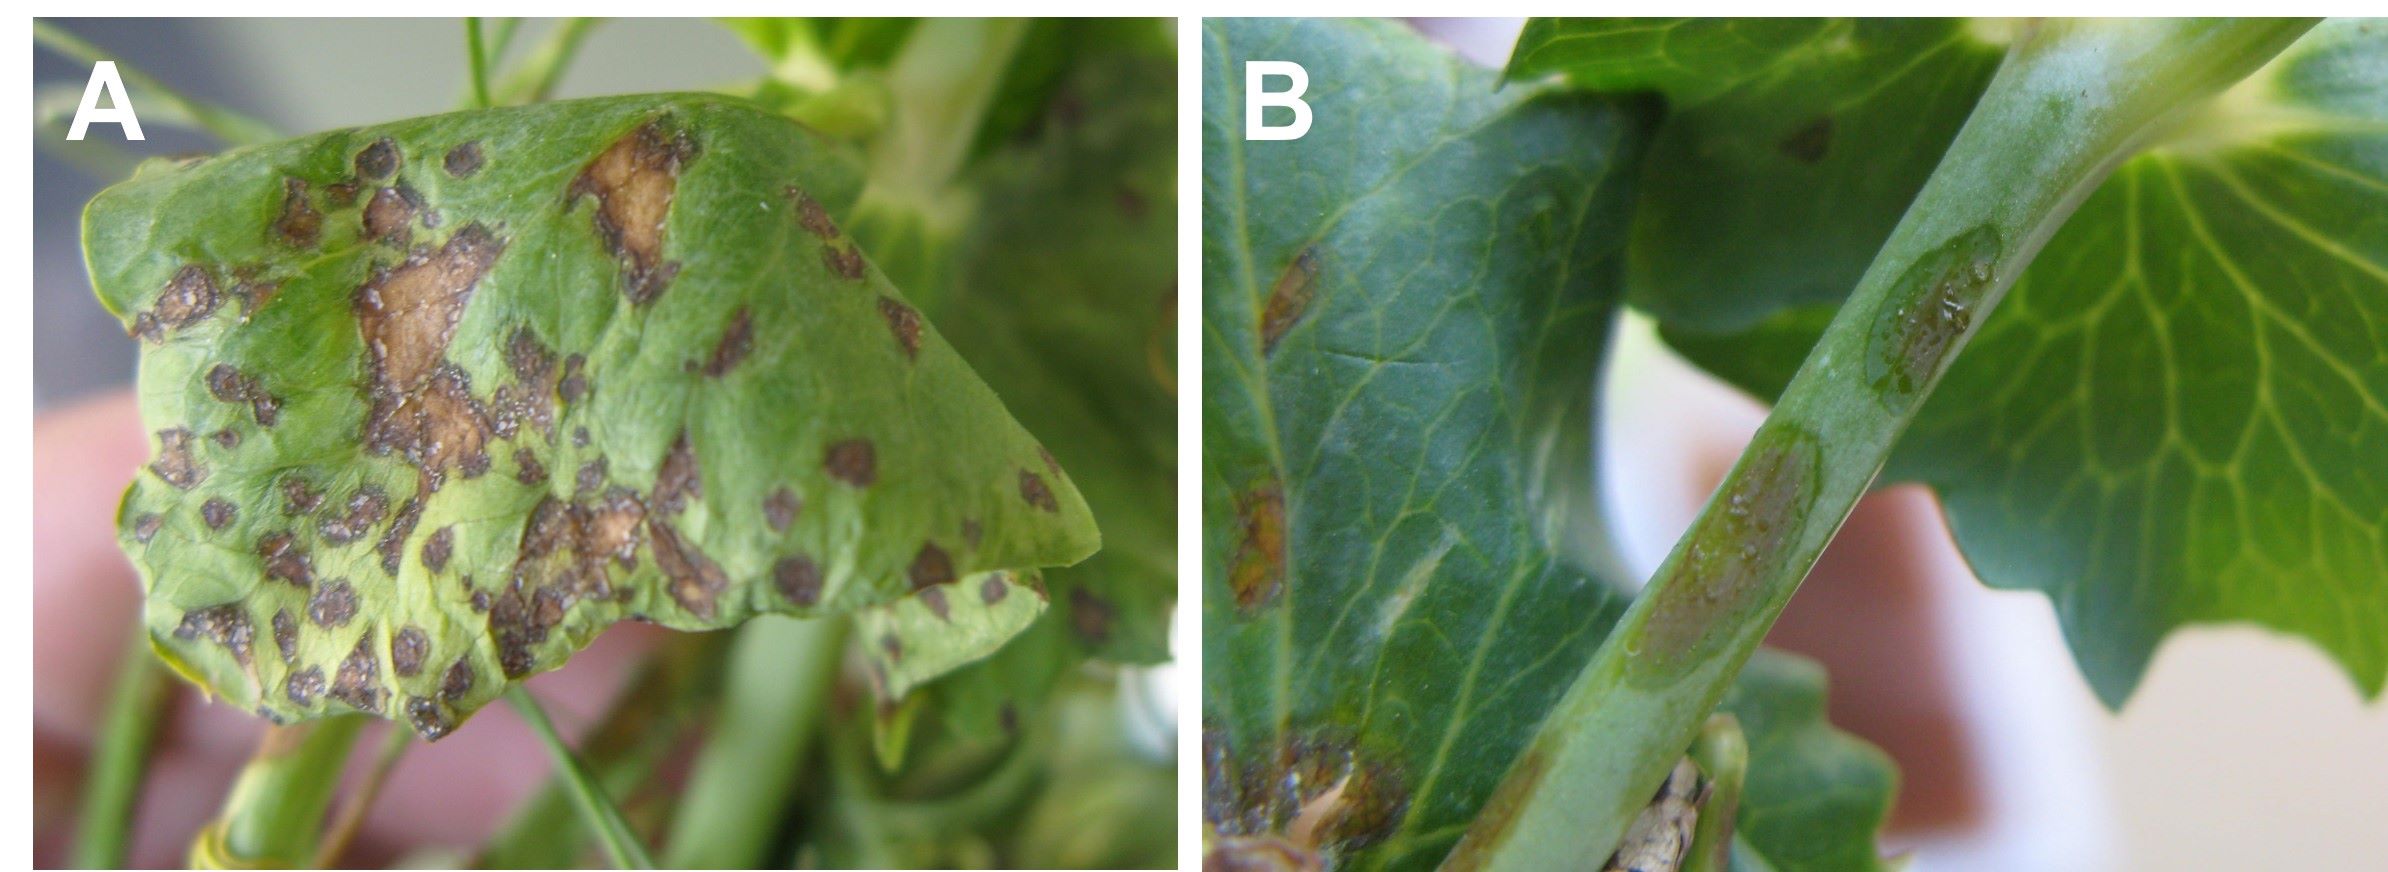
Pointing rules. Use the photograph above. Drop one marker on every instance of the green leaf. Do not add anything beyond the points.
(1062, 294)
(439, 400)
(1402, 312)
(1815, 796)
(2180, 413)
(1790, 147)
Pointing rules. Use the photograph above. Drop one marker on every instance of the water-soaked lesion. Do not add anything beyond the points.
(1317, 794)
(1289, 298)
(633, 181)
(1927, 314)
(1738, 546)
(1257, 573)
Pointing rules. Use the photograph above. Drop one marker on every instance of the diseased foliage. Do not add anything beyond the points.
(438, 400)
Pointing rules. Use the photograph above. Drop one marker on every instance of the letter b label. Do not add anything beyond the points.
(1257, 99)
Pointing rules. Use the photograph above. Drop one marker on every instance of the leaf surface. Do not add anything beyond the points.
(1401, 310)
(438, 400)
(1814, 796)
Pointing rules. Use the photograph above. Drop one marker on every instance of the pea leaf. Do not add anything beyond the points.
(1061, 294)
(1814, 796)
(438, 400)
(1399, 310)
(1789, 150)
(2179, 415)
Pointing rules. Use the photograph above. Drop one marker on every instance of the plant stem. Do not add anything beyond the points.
(231, 127)
(351, 816)
(479, 58)
(536, 79)
(2070, 102)
(275, 810)
(136, 701)
(1723, 755)
(596, 808)
(780, 673)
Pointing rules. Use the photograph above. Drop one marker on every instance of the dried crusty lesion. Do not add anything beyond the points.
(1660, 838)
(1298, 850)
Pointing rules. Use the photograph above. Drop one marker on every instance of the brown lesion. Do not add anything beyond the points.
(379, 160)
(365, 508)
(423, 409)
(1316, 794)
(1289, 299)
(389, 217)
(930, 566)
(464, 160)
(299, 225)
(736, 341)
(691, 577)
(1737, 548)
(852, 461)
(228, 384)
(634, 181)
(1810, 143)
(217, 512)
(904, 322)
(189, 296)
(1034, 492)
(358, 682)
(177, 462)
(678, 480)
(408, 648)
(1257, 572)
(781, 508)
(1091, 617)
(227, 625)
(798, 579)
(568, 554)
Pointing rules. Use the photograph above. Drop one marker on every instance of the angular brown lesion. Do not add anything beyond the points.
(692, 578)
(904, 322)
(422, 406)
(177, 463)
(299, 225)
(189, 297)
(852, 461)
(358, 682)
(1289, 298)
(1257, 573)
(736, 341)
(464, 160)
(634, 181)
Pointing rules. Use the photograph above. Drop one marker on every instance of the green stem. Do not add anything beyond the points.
(781, 671)
(135, 703)
(275, 811)
(479, 59)
(1723, 755)
(596, 808)
(231, 127)
(536, 79)
(351, 817)
(2070, 102)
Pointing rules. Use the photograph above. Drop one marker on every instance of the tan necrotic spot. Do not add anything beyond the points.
(1289, 299)
(904, 322)
(176, 464)
(379, 160)
(780, 509)
(422, 406)
(407, 650)
(365, 508)
(437, 548)
(359, 680)
(226, 625)
(1035, 493)
(852, 461)
(634, 181)
(188, 298)
(217, 512)
(333, 604)
(228, 384)
(736, 341)
(798, 579)
(285, 559)
(693, 579)
(286, 631)
(464, 160)
(304, 686)
(679, 480)
(930, 566)
(299, 225)
(1258, 570)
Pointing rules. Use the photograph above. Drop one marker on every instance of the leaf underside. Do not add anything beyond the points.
(436, 401)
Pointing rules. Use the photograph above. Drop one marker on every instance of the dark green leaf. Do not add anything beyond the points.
(1815, 796)
(439, 400)
(1790, 147)
(1403, 313)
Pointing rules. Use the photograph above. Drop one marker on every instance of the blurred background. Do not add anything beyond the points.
(2242, 749)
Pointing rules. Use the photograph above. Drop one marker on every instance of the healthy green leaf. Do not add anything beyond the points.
(438, 400)
(2179, 415)
(1815, 796)
(1401, 311)
(1790, 146)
